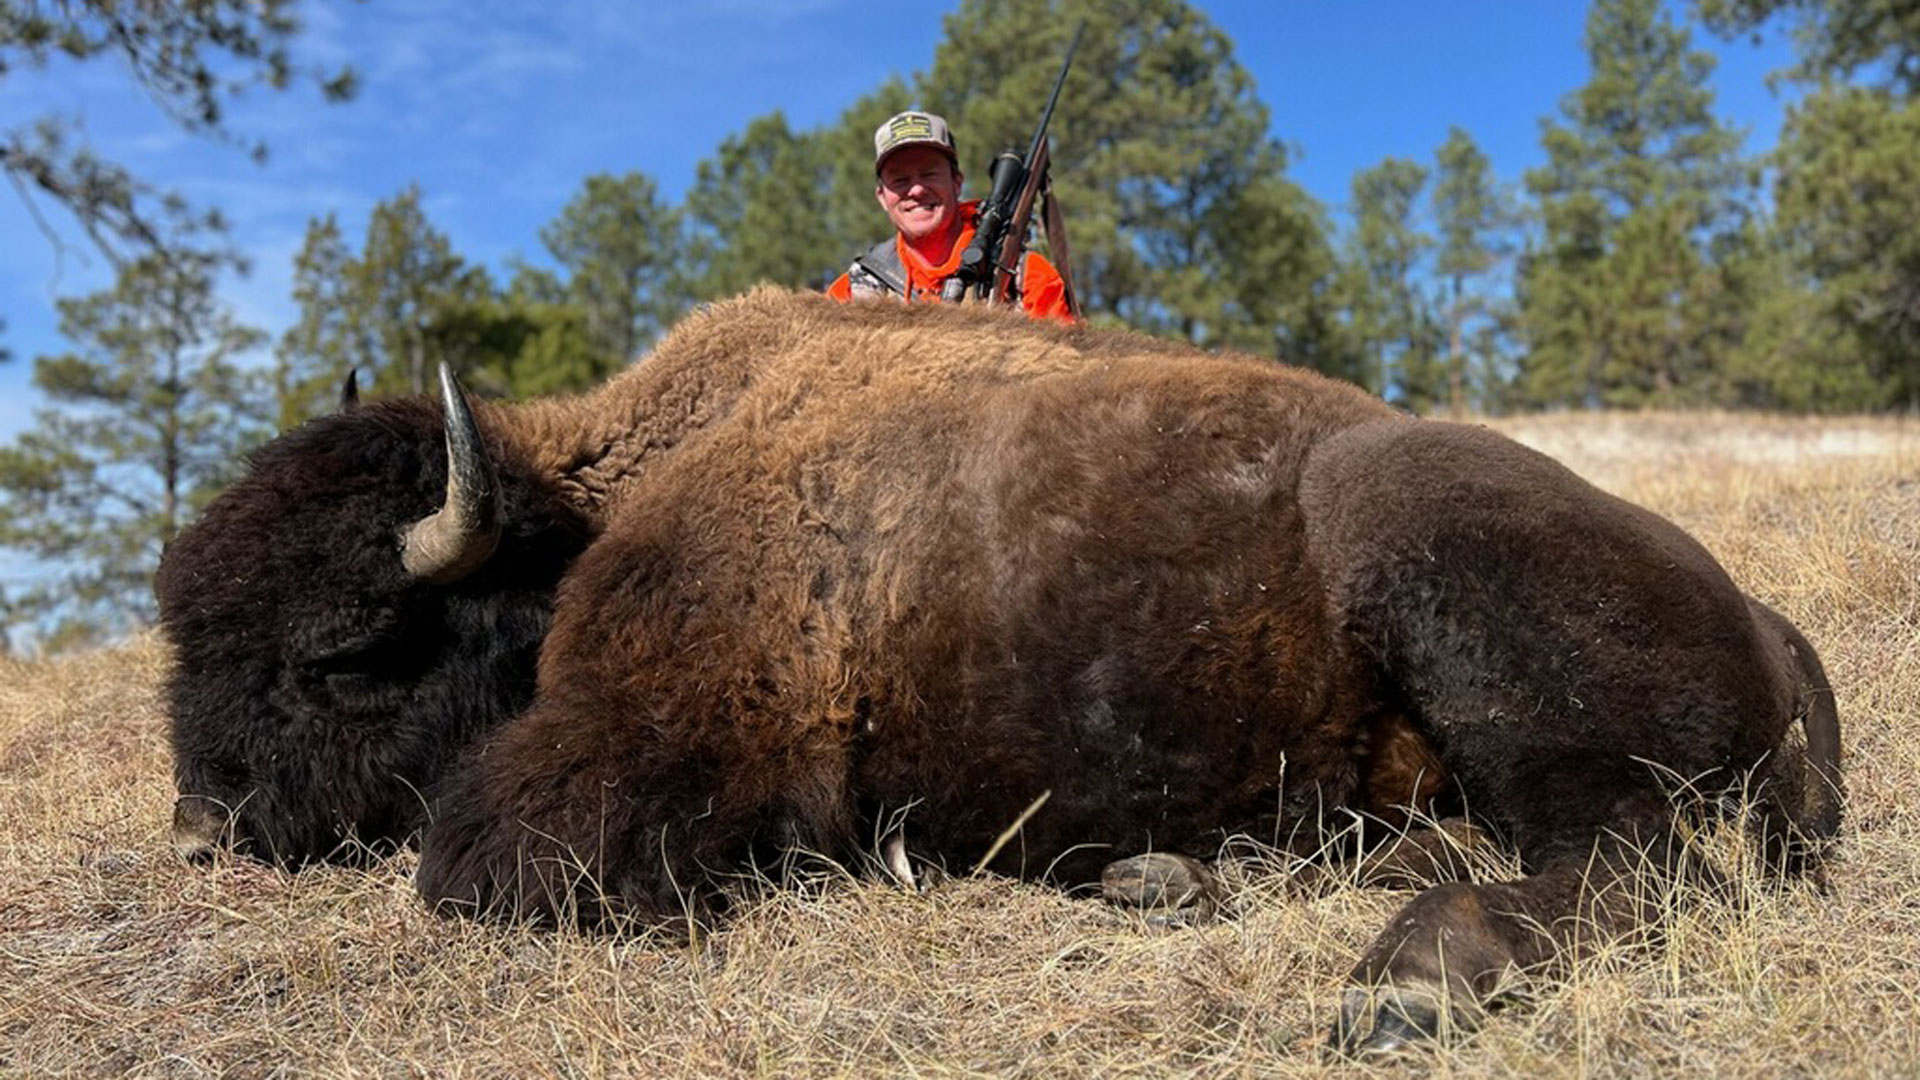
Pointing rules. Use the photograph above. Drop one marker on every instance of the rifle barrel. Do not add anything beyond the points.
(1053, 99)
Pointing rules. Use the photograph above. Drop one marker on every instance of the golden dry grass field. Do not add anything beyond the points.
(116, 958)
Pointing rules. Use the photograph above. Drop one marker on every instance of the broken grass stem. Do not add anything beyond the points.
(1011, 831)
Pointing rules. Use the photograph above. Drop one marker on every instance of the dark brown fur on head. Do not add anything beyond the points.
(318, 688)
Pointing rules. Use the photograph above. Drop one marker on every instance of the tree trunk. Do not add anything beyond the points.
(1456, 363)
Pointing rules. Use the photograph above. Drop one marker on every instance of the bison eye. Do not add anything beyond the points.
(363, 654)
(225, 773)
(359, 644)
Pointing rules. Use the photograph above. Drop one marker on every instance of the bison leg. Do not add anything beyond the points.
(1171, 889)
(1403, 782)
(1571, 658)
(667, 760)
(1432, 972)
(621, 825)
(1412, 857)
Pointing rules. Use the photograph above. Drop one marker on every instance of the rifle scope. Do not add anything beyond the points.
(1008, 173)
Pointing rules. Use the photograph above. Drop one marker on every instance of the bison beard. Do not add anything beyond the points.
(860, 561)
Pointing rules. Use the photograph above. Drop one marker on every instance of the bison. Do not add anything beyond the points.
(815, 570)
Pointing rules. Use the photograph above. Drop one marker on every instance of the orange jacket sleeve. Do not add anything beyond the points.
(1044, 293)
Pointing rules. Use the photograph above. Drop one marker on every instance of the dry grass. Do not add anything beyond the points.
(117, 959)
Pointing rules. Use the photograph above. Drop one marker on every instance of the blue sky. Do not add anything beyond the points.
(498, 109)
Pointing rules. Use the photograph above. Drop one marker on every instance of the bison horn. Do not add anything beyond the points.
(350, 391)
(452, 542)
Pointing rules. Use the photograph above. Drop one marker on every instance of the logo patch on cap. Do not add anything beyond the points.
(911, 128)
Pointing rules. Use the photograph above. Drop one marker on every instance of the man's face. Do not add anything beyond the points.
(919, 189)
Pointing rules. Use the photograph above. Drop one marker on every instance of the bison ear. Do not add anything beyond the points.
(350, 391)
(457, 539)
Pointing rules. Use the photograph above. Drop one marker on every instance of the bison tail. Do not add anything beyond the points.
(1821, 718)
(1809, 788)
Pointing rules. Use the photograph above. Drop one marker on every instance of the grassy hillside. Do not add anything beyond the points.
(115, 958)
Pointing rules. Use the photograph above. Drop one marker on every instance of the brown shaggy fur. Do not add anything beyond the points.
(933, 564)
(946, 578)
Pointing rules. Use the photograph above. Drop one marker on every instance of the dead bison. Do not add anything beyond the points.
(857, 565)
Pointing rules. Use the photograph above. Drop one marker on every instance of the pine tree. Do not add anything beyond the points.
(152, 412)
(1843, 325)
(1640, 177)
(748, 224)
(540, 347)
(1269, 232)
(1392, 320)
(189, 59)
(328, 340)
(1847, 198)
(1792, 353)
(406, 278)
(1474, 218)
(406, 302)
(1836, 39)
(620, 249)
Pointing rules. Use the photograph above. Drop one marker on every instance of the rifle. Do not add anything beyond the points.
(988, 265)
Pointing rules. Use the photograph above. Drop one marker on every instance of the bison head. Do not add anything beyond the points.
(366, 599)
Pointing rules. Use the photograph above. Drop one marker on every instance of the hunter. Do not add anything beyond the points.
(918, 180)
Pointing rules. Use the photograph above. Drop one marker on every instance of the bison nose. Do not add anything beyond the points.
(198, 824)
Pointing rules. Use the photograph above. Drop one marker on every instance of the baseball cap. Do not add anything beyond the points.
(912, 128)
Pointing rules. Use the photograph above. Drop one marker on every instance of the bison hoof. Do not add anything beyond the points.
(901, 869)
(1171, 890)
(1386, 1020)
